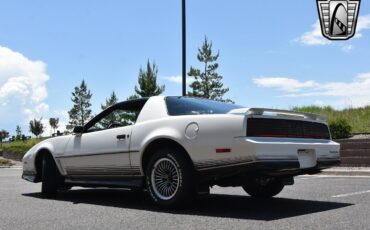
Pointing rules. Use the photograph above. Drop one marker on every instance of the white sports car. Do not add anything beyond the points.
(176, 147)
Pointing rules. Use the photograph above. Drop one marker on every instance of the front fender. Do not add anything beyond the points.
(53, 146)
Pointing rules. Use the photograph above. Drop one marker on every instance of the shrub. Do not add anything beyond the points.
(5, 162)
(340, 128)
(20, 146)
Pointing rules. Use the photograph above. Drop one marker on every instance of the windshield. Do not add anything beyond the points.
(193, 106)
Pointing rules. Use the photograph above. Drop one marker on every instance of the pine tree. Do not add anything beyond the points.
(36, 127)
(18, 133)
(148, 82)
(80, 112)
(132, 97)
(129, 117)
(207, 84)
(112, 100)
(113, 117)
(54, 123)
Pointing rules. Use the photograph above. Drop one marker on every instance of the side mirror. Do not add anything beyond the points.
(78, 129)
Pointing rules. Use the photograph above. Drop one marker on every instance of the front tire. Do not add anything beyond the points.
(170, 178)
(51, 178)
(263, 187)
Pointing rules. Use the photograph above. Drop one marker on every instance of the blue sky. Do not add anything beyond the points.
(271, 53)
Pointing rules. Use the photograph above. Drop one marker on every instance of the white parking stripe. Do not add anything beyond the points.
(305, 177)
(351, 194)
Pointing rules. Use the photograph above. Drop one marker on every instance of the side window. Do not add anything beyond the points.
(116, 118)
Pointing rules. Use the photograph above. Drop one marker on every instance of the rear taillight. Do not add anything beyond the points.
(283, 128)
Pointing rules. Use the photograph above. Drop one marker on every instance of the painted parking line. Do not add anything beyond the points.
(351, 194)
(307, 177)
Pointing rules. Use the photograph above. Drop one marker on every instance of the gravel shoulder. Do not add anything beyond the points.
(14, 163)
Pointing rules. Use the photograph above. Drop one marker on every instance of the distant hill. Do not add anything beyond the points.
(358, 118)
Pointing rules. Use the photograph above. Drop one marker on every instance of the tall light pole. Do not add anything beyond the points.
(183, 7)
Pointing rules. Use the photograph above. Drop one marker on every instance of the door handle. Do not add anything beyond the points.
(122, 136)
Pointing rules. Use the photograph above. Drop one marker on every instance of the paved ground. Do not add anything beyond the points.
(325, 202)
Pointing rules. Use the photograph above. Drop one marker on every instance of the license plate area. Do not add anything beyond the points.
(306, 158)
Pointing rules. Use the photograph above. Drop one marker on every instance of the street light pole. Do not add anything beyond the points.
(183, 48)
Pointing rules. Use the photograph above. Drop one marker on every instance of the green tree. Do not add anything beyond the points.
(54, 123)
(3, 134)
(132, 97)
(148, 82)
(36, 127)
(80, 111)
(112, 100)
(130, 117)
(340, 128)
(18, 133)
(113, 117)
(207, 83)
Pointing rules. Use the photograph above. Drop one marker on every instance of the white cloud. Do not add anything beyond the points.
(347, 48)
(283, 83)
(355, 93)
(363, 23)
(22, 88)
(63, 118)
(315, 37)
(319, 103)
(48, 130)
(63, 114)
(178, 79)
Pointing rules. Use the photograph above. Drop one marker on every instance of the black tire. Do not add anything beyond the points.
(179, 181)
(263, 187)
(51, 178)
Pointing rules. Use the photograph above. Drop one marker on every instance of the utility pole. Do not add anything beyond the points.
(183, 48)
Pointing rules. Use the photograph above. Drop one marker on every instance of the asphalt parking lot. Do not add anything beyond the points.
(330, 202)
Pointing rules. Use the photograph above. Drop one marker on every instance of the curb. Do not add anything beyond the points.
(10, 167)
(347, 171)
(342, 173)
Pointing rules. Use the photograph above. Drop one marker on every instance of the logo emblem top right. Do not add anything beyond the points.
(338, 18)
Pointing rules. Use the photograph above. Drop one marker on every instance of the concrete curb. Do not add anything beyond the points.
(347, 171)
(10, 167)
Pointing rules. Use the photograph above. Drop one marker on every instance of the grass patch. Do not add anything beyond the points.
(6, 162)
(358, 118)
(20, 146)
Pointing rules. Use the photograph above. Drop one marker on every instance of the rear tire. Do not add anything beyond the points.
(51, 178)
(170, 178)
(263, 187)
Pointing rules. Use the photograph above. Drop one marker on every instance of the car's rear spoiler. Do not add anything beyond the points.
(279, 112)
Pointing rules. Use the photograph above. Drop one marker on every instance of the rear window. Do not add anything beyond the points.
(194, 106)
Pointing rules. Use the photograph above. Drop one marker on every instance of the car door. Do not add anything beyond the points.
(102, 149)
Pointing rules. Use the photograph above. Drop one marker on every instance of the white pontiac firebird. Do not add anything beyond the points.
(176, 147)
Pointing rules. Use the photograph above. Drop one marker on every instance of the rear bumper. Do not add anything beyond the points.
(281, 168)
(276, 157)
(281, 149)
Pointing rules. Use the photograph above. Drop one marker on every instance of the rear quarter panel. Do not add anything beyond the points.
(215, 131)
